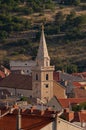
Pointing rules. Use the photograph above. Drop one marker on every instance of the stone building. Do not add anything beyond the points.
(40, 82)
(42, 73)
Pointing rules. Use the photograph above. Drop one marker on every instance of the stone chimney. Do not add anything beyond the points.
(19, 120)
(69, 115)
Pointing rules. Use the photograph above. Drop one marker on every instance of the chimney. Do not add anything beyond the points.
(55, 121)
(62, 71)
(42, 112)
(69, 115)
(19, 120)
(83, 124)
(7, 105)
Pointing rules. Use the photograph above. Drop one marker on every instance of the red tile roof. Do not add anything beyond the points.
(75, 116)
(29, 122)
(80, 92)
(2, 74)
(80, 74)
(18, 81)
(65, 102)
(82, 116)
(77, 84)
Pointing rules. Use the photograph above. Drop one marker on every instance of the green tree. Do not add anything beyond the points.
(74, 26)
(59, 18)
(3, 35)
(71, 2)
(23, 98)
(72, 68)
(76, 2)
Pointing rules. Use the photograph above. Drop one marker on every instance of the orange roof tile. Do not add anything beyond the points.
(65, 102)
(77, 84)
(18, 81)
(80, 92)
(80, 74)
(28, 122)
(2, 74)
(82, 115)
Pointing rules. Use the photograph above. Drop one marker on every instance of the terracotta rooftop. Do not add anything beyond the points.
(80, 92)
(83, 74)
(77, 84)
(2, 74)
(65, 102)
(28, 121)
(17, 81)
(82, 116)
(75, 116)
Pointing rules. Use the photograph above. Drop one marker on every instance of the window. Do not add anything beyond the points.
(30, 96)
(36, 76)
(46, 76)
(27, 71)
(46, 85)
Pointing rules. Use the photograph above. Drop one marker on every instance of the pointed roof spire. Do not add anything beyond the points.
(42, 51)
(42, 27)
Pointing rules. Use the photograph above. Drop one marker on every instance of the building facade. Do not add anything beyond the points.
(42, 73)
(37, 78)
(23, 67)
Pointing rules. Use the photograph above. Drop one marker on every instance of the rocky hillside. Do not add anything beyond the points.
(65, 31)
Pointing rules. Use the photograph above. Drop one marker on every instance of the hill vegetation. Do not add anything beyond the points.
(65, 31)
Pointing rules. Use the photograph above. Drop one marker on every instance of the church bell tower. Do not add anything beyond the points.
(42, 73)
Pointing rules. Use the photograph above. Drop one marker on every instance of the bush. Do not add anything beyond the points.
(50, 30)
(83, 7)
(79, 107)
(72, 2)
(23, 98)
(76, 2)
(3, 35)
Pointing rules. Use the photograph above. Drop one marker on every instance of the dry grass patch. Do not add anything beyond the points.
(3, 54)
(20, 57)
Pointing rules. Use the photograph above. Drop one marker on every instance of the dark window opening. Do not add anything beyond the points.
(46, 76)
(46, 85)
(36, 76)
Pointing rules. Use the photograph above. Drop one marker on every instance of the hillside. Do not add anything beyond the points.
(65, 31)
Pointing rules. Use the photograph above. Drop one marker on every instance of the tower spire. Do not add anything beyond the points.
(42, 27)
(43, 58)
(42, 73)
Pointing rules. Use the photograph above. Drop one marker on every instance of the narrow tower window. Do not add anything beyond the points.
(46, 85)
(46, 76)
(36, 76)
